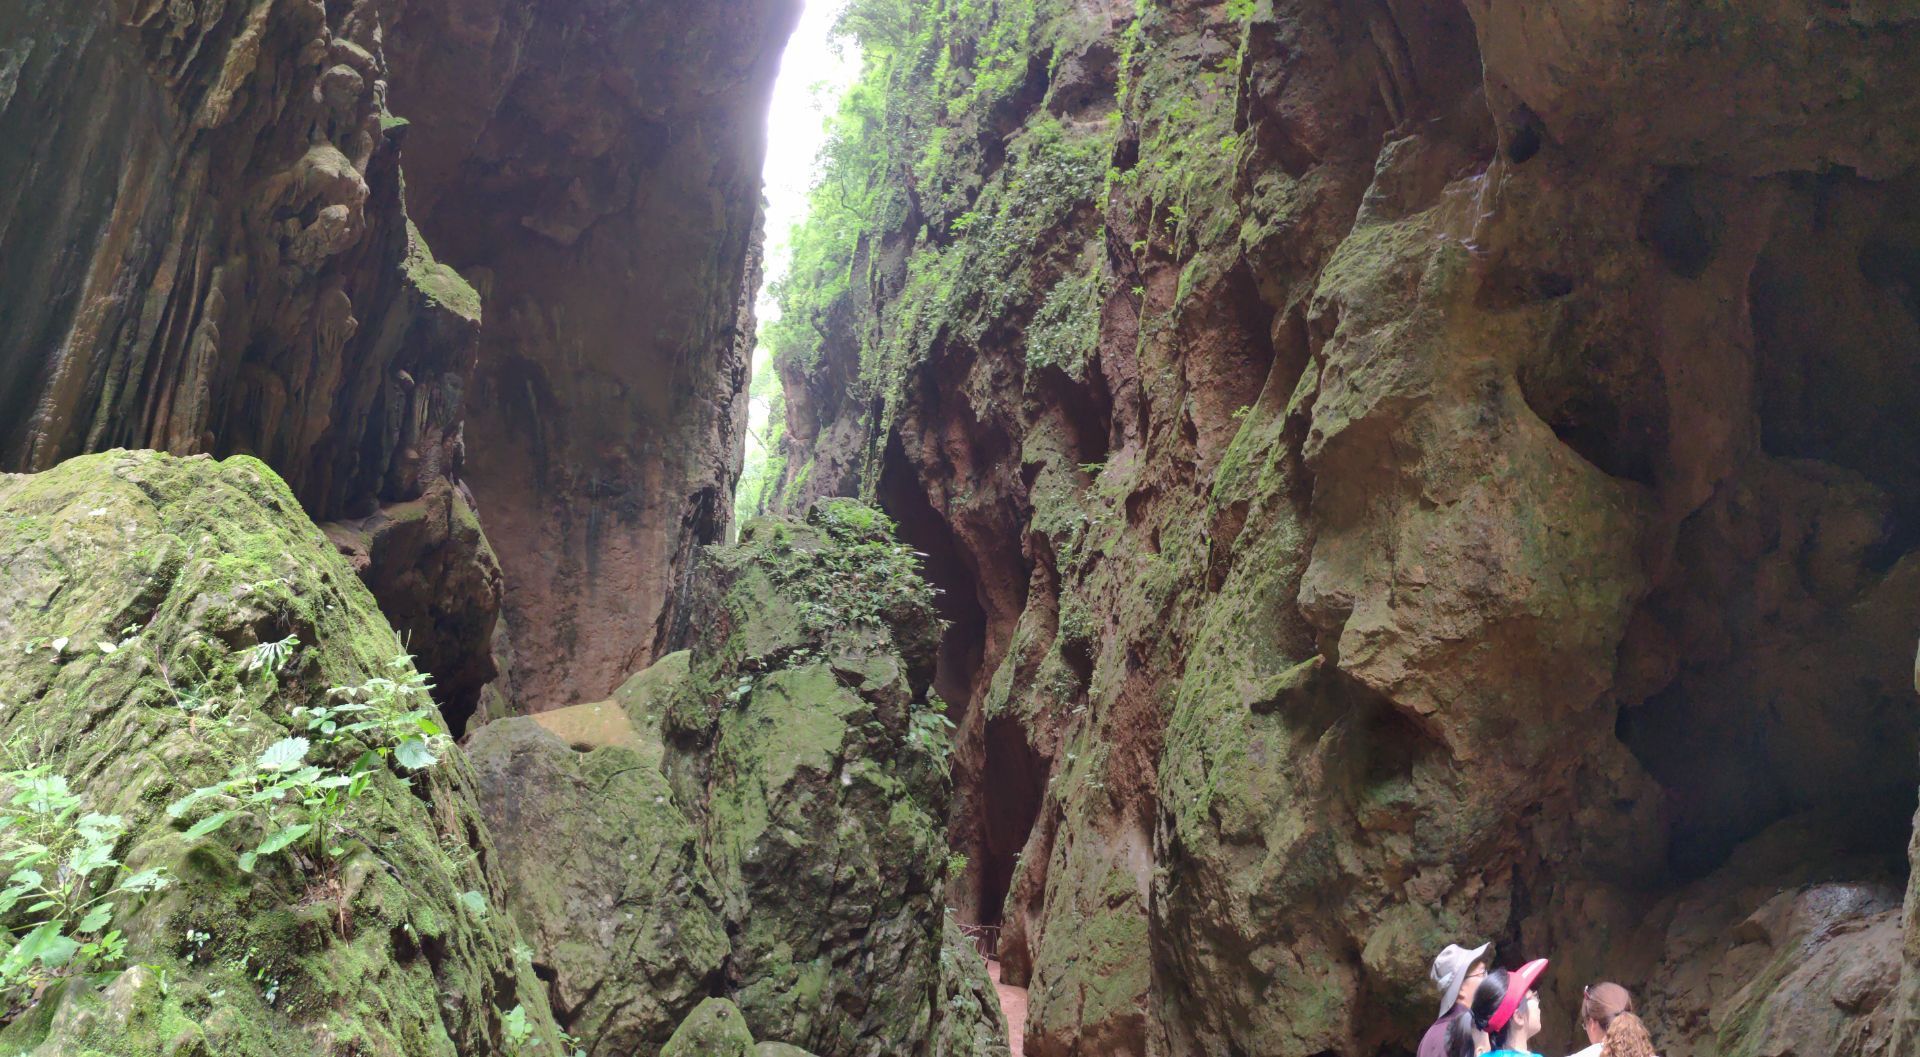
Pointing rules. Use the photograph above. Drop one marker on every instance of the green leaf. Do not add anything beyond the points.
(145, 881)
(26, 878)
(179, 807)
(283, 755)
(97, 918)
(210, 824)
(90, 857)
(94, 826)
(46, 945)
(281, 838)
(246, 861)
(413, 754)
(475, 903)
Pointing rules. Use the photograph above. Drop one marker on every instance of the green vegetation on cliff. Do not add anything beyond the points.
(903, 165)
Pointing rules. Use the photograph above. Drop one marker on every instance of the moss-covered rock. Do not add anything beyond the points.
(811, 745)
(136, 584)
(968, 1020)
(604, 873)
(714, 1029)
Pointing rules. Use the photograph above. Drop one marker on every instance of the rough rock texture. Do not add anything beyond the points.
(759, 818)
(207, 251)
(1399, 472)
(716, 1029)
(594, 165)
(180, 565)
(605, 873)
(967, 1008)
(807, 741)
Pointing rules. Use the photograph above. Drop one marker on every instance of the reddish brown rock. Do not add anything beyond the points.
(595, 166)
(1436, 471)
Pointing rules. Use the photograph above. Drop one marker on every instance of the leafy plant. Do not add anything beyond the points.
(397, 716)
(298, 800)
(50, 907)
(931, 732)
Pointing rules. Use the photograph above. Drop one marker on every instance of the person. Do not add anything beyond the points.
(1599, 1004)
(1507, 1008)
(1457, 971)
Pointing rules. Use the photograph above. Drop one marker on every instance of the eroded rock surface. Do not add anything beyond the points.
(758, 818)
(181, 567)
(1398, 472)
(206, 250)
(606, 873)
(594, 165)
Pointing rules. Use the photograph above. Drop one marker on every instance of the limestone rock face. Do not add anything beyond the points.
(594, 165)
(967, 1013)
(1398, 473)
(811, 746)
(136, 585)
(759, 817)
(606, 875)
(206, 250)
(715, 1029)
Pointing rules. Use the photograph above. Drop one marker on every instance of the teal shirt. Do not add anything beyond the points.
(1510, 1053)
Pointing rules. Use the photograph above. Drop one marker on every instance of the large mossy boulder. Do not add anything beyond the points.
(714, 1029)
(604, 870)
(809, 744)
(138, 591)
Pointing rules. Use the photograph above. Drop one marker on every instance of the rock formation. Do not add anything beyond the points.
(594, 166)
(1398, 472)
(758, 818)
(140, 592)
(207, 251)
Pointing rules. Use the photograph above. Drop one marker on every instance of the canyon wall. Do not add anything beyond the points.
(1399, 471)
(207, 251)
(594, 167)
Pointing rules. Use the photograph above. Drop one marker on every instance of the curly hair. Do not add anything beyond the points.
(1627, 1037)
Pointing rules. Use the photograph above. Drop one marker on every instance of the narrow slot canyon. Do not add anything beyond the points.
(963, 528)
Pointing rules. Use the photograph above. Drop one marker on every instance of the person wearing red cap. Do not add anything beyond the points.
(1507, 1008)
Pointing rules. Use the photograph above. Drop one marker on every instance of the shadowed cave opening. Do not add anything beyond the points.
(1786, 623)
(1001, 782)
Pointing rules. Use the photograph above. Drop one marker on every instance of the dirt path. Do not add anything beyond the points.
(1013, 1002)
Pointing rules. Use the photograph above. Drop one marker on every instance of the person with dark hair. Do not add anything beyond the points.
(1599, 1004)
(1462, 1039)
(1507, 1008)
(1457, 971)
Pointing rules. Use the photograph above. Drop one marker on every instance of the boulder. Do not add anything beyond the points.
(808, 720)
(140, 595)
(714, 1029)
(605, 871)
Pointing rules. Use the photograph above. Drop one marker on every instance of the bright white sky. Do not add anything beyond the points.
(814, 74)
